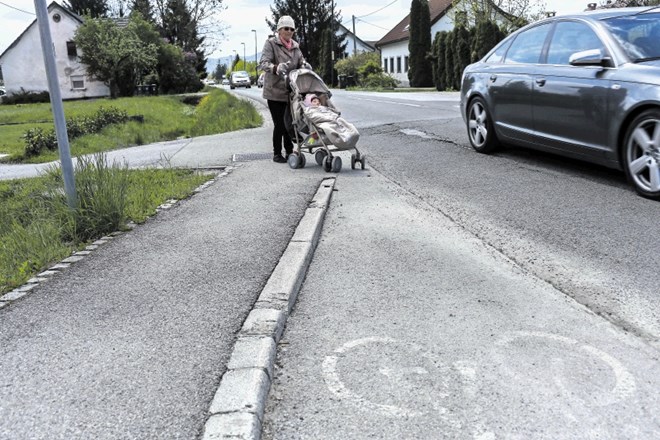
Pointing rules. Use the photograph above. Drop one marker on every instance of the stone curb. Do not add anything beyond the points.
(57, 268)
(237, 409)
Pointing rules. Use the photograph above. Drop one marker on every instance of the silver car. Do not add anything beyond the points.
(586, 86)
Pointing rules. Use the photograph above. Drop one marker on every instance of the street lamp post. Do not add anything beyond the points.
(244, 68)
(232, 61)
(256, 73)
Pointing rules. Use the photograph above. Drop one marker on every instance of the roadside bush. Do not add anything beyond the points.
(36, 140)
(379, 81)
(26, 97)
(350, 66)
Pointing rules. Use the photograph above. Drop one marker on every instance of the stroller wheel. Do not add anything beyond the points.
(336, 164)
(327, 164)
(363, 161)
(303, 161)
(320, 156)
(353, 160)
(294, 161)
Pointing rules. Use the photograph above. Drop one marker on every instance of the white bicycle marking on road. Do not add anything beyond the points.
(625, 385)
(337, 387)
(466, 373)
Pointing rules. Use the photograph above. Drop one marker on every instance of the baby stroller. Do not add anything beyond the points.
(318, 129)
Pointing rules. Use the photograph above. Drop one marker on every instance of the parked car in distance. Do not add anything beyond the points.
(260, 81)
(225, 82)
(2, 91)
(240, 78)
(584, 85)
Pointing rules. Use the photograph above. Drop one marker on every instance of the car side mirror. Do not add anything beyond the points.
(591, 57)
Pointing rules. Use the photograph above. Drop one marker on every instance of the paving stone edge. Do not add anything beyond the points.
(238, 406)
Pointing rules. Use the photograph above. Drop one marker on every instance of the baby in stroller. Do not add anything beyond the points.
(315, 123)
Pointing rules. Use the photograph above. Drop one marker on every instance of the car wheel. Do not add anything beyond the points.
(642, 154)
(480, 127)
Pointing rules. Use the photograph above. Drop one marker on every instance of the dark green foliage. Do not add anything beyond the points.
(91, 8)
(486, 35)
(220, 71)
(312, 18)
(461, 54)
(176, 73)
(26, 97)
(143, 7)
(419, 45)
(449, 60)
(179, 28)
(440, 73)
(36, 140)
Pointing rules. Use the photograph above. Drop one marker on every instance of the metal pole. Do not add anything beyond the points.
(256, 72)
(244, 68)
(354, 38)
(332, 45)
(56, 102)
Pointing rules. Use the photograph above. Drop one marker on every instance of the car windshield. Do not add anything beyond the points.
(638, 34)
(241, 74)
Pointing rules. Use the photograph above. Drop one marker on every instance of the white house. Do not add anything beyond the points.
(394, 45)
(23, 65)
(353, 43)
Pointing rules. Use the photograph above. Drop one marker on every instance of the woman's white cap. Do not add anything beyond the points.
(285, 21)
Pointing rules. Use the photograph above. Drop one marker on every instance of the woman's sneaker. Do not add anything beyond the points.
(279, 158)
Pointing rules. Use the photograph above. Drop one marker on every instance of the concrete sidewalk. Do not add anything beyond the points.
(131, 341)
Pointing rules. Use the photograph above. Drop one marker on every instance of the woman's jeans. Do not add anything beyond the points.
(281, 137)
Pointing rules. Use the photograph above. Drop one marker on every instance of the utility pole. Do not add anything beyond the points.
(332, 45)
(244, 67)
(256, 72)
(354, 38)
(56, 102)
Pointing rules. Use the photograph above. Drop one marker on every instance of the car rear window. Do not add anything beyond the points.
(527, 47)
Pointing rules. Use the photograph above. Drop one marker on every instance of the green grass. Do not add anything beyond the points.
(37, 229)
(165, 118)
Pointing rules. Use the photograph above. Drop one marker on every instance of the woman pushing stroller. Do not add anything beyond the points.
(280, 54)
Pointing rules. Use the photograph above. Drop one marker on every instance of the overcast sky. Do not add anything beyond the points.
(375, 19)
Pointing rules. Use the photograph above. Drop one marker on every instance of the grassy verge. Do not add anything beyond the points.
(37, 228)
(165, 118)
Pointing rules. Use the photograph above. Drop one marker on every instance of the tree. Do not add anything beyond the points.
(419, 45)
(114, 55)
(144, 8)
(461, 53)
(90, 8)
(179, 28)
(176, 71)
(312, 18)
(440, 71)
(628, 3)
(511, 14)
(448, 59)
(220, 71)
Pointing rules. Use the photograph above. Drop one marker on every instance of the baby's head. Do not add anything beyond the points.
(312, 100)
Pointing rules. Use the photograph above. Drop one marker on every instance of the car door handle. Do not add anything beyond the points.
(493, 78)
(540, 81)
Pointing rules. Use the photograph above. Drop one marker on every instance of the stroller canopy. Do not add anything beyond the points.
(304, 81)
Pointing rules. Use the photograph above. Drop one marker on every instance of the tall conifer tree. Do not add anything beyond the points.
(420, 73)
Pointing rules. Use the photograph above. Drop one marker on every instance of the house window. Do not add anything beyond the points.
(398, 64)
(78, 82)
(385, 65)
(392, 64)
(71, 49)
(405, 64)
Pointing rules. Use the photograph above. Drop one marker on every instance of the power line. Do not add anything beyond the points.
(20, 10)
(374, 25)
(371, 13)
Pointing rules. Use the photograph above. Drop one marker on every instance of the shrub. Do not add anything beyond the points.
(36, 140)
(26, 97)
(379, 81)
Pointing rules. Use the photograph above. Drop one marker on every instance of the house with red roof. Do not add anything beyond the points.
(394, 45)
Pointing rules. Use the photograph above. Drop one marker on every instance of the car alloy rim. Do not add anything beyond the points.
(478, 130)
(644, 155)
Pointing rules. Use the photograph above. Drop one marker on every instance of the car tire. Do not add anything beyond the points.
(481, 130)
(641, 154)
